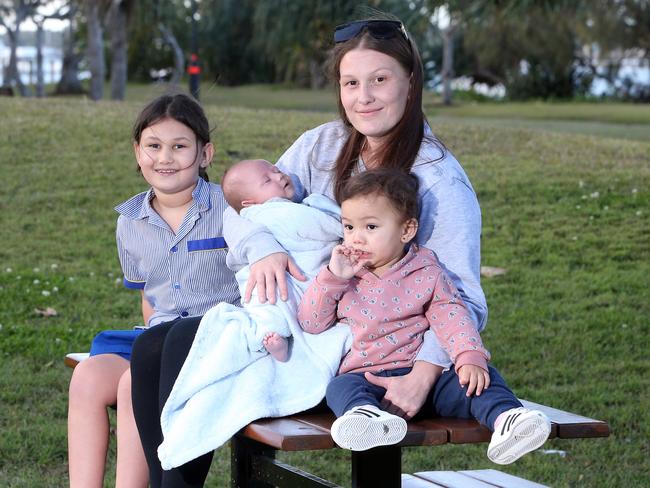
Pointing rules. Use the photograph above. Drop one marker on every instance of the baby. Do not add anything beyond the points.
(253, 182)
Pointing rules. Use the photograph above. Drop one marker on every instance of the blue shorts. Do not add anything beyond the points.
(118, 342)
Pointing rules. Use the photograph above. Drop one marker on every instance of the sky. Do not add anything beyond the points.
(51, 24)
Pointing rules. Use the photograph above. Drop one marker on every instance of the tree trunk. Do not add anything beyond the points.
(179, 58)
(12, 70)
(40, 83)
(447, 63)
(317, 78)
(69, 83)
(118, 23)
(95, 50)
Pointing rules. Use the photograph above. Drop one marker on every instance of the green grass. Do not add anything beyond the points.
(566, 214)
(608, 119)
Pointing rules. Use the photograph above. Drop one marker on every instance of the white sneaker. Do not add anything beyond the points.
(520, 432)
(365, 427)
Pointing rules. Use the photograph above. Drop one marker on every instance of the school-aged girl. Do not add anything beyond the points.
(171, 248)
(391, 292)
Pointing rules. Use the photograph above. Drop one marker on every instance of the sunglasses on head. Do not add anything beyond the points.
(379, 29)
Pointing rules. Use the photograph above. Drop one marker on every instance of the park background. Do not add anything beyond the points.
(555, 138)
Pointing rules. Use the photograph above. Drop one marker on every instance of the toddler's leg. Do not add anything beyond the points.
(131, 469)
(276, 345)
(449, 399)
(518, 431)
(361, 424)
(519, 434)
(352, 390)
(93, 388)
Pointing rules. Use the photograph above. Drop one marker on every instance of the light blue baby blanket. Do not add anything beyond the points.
(227, 381)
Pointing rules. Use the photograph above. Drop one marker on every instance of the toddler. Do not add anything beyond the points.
(390, 291)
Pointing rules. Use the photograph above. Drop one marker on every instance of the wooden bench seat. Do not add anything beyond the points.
(253, 463)
(254, 447)
(303, 432)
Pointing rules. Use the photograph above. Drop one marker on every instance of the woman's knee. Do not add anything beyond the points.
(181, 336)
(147, 348)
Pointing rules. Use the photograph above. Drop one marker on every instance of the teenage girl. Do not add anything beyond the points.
(171, 248)
(390, 294)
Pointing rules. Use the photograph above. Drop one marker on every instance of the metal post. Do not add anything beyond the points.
(194, 69)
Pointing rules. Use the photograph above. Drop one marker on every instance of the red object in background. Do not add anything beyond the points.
(194, 68)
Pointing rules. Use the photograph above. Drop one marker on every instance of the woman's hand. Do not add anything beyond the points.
(267, 274)
(406, 394)
(475, 377)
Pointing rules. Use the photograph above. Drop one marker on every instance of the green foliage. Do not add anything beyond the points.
(147, 48)
(566, 215)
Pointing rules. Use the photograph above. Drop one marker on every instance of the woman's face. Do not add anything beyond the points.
(374, 89)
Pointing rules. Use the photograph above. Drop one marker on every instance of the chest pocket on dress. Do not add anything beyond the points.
(207, 258)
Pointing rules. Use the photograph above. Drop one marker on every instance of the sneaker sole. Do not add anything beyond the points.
(527, 436)
(359, 433)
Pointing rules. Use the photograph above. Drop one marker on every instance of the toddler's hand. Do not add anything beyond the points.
(345, 262)
(475, 377)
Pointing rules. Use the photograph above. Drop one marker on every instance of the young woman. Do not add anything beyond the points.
(378, 70)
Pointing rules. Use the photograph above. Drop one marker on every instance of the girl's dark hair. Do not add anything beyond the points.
(398, 186)
(180, 107)
(402, 144)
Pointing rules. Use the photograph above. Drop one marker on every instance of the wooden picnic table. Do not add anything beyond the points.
(254, 447)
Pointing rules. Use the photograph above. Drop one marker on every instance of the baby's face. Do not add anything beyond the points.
(264, 181)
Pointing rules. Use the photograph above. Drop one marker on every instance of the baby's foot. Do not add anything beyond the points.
(277, 346)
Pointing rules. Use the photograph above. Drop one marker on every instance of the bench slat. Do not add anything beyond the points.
(481, 478)
(73, 358)
(410, 481)
(423, 433)
(312, 431)
(453, 479)
(570, 425)
(288, 434)
(501, 479)
(459, 431)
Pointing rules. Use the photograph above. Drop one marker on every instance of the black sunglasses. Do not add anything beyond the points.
(379, 29)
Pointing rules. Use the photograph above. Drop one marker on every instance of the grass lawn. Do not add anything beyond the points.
(619, 120)
(566, 214)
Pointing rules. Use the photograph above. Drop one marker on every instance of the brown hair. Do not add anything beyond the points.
(180, 107)
(399, 187)
(403, 142)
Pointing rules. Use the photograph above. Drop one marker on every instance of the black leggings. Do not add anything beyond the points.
(157, 358)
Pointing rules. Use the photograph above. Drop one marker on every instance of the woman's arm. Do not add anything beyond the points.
(455, 237)
(451, 226)
(253, 243)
